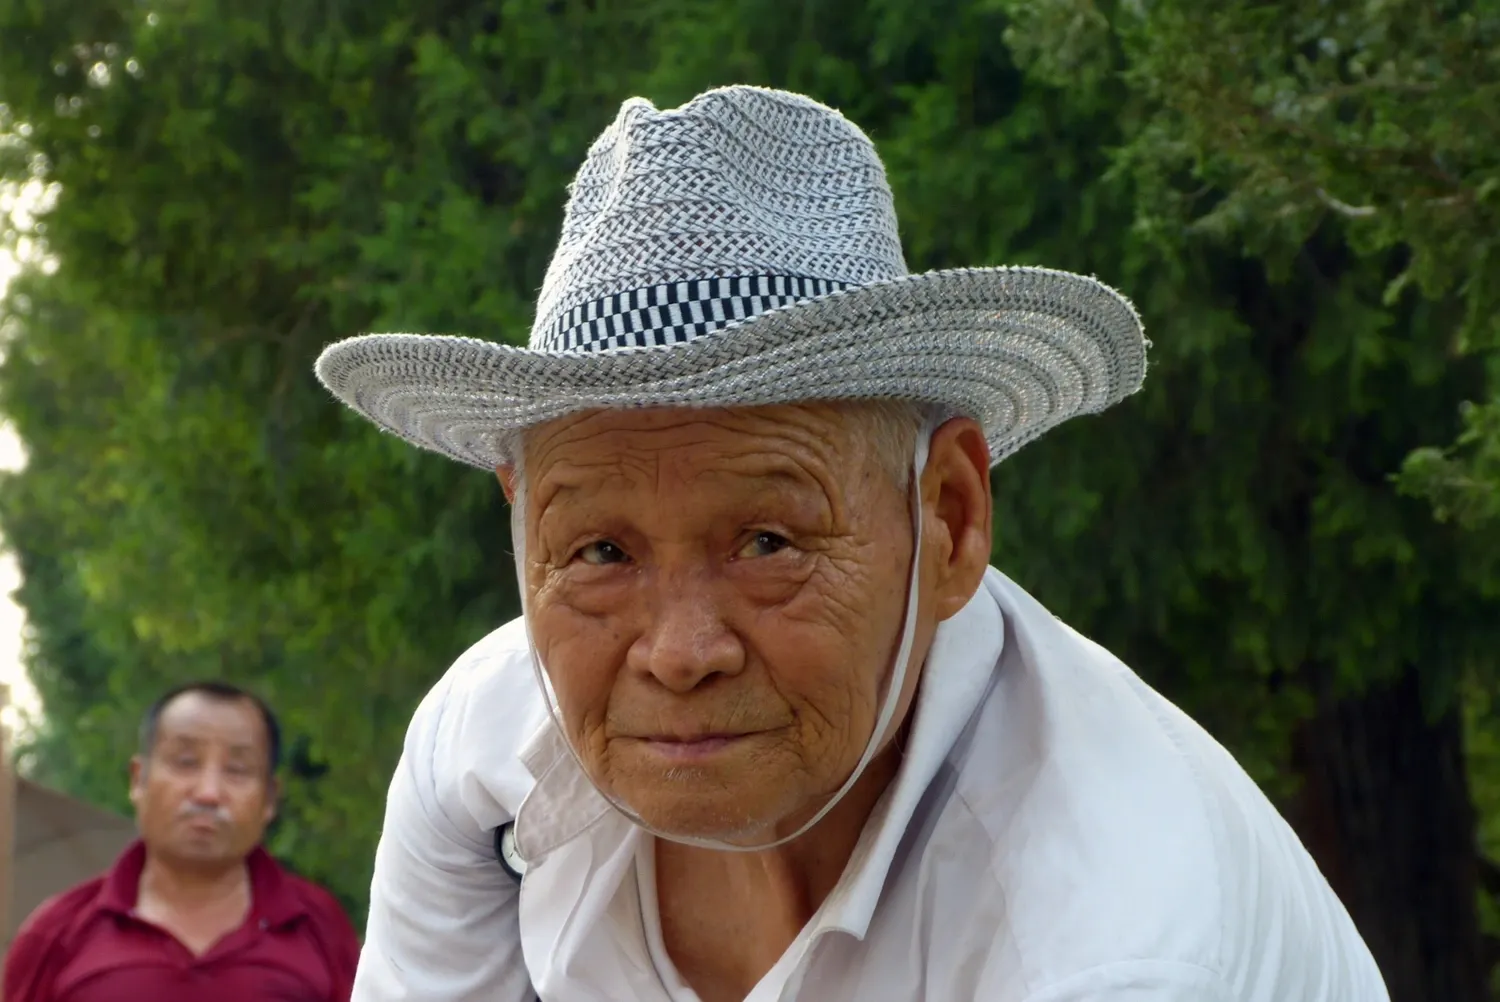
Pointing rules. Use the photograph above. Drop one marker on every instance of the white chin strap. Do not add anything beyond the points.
(890, 701)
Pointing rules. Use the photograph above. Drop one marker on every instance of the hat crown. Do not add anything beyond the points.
(681, 222)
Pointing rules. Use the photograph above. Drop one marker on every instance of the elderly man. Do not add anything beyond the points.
(769, 727)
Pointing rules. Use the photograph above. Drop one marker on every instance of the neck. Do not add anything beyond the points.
(191, 886)
(792, 880)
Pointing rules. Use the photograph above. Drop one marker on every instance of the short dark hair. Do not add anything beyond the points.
(222, 692)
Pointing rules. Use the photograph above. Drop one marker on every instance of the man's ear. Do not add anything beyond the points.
(956, 495)
(137, 779)
(273, 799)
(507, 476)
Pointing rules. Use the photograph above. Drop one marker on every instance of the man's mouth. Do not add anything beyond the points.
(692, 747)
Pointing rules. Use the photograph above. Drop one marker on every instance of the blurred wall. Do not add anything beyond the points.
(57, 842)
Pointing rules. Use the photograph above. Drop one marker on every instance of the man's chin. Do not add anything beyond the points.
(204, 851)
(717, 817)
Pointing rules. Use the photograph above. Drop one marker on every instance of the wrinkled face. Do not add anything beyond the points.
(205, 794)
(717, 597)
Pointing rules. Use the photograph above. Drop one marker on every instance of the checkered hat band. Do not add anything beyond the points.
(674, 312)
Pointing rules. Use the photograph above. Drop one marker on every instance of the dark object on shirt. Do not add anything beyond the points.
(86, 945)
(506, 853)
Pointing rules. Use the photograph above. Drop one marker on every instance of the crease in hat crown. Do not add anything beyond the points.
(743, 250)
(741, 183)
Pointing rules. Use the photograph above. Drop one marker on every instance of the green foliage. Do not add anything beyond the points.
(248, 185)
(272, 175)
(1269, 122)
(1462, 480)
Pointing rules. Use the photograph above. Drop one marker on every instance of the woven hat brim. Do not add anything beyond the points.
(1021, 350)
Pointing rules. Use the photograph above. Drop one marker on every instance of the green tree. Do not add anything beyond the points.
(239, 186)
(1278, 126)
(1378, 120)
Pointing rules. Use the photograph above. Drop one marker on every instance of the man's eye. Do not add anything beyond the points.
(763, 544)
(601, 553)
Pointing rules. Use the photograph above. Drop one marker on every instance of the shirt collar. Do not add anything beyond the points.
(958, 673)
(273, 897)
(563, 804)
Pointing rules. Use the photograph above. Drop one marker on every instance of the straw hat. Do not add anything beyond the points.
(742, 250)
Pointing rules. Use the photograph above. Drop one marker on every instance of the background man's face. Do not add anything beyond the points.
(204, 794)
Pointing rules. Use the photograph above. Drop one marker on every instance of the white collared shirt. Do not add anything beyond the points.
(1058, 832)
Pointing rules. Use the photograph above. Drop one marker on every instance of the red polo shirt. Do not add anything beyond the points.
(86, 945)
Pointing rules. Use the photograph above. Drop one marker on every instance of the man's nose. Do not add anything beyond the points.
(687, 640)
(208, 786)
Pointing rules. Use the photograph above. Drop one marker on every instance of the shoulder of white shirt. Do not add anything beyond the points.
(473, 725)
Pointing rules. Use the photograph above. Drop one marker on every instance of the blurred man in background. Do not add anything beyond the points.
(195, 908)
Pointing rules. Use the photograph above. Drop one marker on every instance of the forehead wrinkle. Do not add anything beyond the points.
(813, 435)
(572, 476)
(706, 490)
